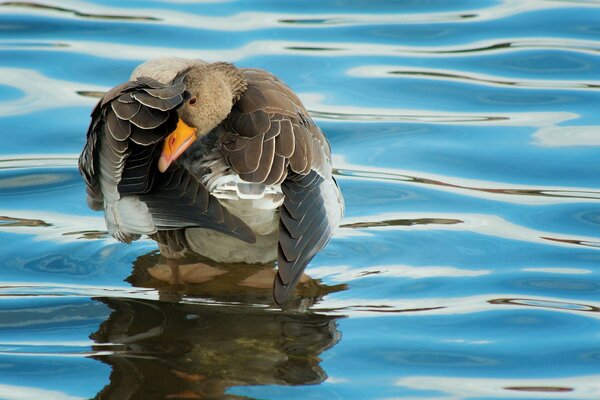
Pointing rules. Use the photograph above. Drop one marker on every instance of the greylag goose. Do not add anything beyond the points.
(211, 159)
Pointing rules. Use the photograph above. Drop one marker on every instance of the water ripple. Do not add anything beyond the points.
(380, 71)
(557, 305)
(39, 92)
(465, 142)
(361, 307)
(10, 222)
(492, 190)
(31, 6)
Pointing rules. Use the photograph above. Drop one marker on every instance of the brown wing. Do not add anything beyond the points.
(306, 224)
(124, 131)
(271, 133)
(271, 139)
(120, 159)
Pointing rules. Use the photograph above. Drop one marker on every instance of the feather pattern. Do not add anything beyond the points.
(119, 166)
(306, 225)
(270, 110)
(179, 200)
(272, 140)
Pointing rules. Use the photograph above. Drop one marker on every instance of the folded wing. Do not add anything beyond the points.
(119, 166)
(271, 139)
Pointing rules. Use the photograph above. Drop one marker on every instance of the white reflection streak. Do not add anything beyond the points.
(568, 136)
(315, 104)
(12, 392)
(40, 92)
(14, 290)
(61, 229)
(66, 343)
(53, 355)
(484, 224)
(580, 387)
(345, 273)
(357, 307)
(33, 160)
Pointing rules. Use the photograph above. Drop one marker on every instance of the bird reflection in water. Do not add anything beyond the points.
(180, 350)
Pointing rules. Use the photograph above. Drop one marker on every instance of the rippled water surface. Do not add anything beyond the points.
(465, 138)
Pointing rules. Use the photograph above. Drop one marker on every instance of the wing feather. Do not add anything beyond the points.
(285, 144)
(156, 102)
(271, 139)
(125, 111)
(278, 171)
(265, 162)
(118, 128)
(270, 110)
(302, 234)
(119, 161)
(179, 200)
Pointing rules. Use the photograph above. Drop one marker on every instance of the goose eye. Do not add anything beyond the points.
(192, 101)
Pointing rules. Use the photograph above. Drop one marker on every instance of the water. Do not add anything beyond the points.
(465, 137)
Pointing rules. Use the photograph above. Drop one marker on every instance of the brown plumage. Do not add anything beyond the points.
(259, 171)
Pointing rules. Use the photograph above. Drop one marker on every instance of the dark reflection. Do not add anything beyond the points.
(516, 44)
(559, 305)
(404, 222)
(199, 277)
(180, 350)
(467, 78)
(14, 221)
(404, 117)
(382, 308)
(26, 4)
(91, 234)
(358, 21)
(482, 49)
(543, 389)
(312, 48)
(306, 21)
(91, 93)
(573, 241)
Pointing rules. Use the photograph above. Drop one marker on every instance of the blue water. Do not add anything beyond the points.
(466, 141)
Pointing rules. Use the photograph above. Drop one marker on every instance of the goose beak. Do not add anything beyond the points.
(175, 144)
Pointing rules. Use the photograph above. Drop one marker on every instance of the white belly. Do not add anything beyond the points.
(255, 204)
(223, 248)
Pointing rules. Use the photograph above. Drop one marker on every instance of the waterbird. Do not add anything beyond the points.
(211, 159)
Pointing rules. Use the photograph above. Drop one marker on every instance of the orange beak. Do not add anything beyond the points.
(175, 144)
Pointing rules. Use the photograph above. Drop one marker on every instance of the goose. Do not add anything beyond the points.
(211, 159)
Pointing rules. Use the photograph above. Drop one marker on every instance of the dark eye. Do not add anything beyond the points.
(192, 101)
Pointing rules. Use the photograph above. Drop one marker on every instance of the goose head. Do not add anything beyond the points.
(212, 91)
